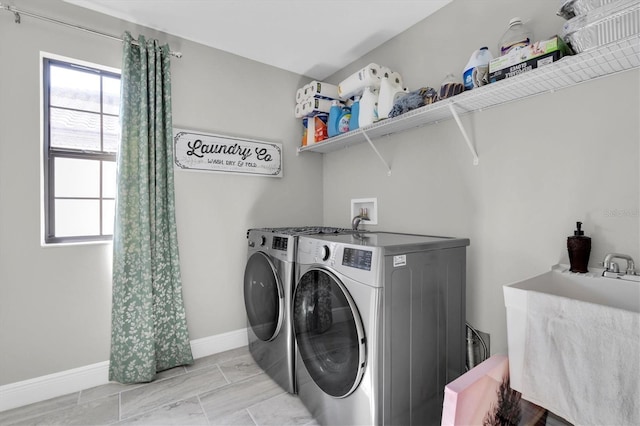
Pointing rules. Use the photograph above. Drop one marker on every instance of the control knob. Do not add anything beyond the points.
(325, 252)
(263, 240)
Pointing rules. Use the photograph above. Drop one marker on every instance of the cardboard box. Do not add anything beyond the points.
(527, 58)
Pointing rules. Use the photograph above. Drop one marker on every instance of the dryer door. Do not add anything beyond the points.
(329, 333)
(263, 296)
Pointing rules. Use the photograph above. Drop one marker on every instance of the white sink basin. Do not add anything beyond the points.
(580, 330)
(591, 287)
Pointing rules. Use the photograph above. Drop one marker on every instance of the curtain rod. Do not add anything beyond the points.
(18, 12)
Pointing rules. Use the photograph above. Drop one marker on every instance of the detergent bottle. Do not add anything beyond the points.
(355, 114)
(338, 119)
(344, 120)
(334, 116)
(390, 85)
(477, 68)
(368, 107)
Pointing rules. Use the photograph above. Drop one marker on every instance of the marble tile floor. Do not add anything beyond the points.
(223, 389)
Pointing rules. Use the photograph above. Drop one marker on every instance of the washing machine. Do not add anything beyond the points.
(269, 278)
(379, 323)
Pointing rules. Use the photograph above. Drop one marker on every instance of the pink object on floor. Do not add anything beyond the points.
(468, 398)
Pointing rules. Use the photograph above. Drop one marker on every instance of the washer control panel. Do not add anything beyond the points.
(281, 247)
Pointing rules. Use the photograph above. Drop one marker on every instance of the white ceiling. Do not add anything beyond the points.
(309, 37)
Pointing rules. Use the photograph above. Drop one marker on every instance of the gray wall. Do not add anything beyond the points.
(545, 162)
(55, 302)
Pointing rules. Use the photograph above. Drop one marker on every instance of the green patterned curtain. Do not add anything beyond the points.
(148, 321)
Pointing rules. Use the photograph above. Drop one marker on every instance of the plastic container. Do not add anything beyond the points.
(368, 107)
(450, 86)
(338, 119)
(334, 116)
(315, 128)
(607, 24)
(343, 122)
(477, 68)
(518, 34)
(572, 8)
(390, 85)
(579, 248)
(355, 114)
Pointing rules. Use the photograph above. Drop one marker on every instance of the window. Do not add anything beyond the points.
(81, 139)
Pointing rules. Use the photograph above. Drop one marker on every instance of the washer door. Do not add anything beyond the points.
(329, 333)
(263, 296)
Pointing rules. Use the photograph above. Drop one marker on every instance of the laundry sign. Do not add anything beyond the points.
(217, 153)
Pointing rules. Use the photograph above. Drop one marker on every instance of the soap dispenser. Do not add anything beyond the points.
(579, 248)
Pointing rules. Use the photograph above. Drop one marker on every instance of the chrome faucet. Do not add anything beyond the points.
(611, 268)
(355, 222)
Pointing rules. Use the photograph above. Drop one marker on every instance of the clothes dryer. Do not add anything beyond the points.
(379, 322)
(269, 278)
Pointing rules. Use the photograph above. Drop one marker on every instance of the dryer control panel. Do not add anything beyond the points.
(357, 258)
(280, 243)
(359, 262)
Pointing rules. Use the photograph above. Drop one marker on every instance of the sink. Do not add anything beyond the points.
(591, 287)
(569, 333)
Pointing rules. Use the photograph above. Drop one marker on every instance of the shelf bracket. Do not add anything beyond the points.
(377, 152)
(476, 160)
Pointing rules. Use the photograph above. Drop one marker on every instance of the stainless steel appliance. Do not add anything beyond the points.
(269, 278)
(379, 322)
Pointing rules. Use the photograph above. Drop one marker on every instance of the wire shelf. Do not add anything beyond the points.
(606, 60)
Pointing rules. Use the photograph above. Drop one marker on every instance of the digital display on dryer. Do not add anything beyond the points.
(355, 258)
(279, 243)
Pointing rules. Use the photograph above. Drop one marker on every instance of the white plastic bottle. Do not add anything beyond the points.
(368, 113)
(517, 35)
(479, 60)
(390, 84)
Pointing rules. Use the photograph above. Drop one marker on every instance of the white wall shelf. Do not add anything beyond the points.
(571, 70)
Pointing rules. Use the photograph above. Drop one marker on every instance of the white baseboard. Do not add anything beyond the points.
(52, 385)
(64, 382)
(219, 343)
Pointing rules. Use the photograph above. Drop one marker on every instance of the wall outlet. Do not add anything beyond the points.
(371, 204)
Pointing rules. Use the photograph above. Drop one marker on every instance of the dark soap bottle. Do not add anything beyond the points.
(579, 248)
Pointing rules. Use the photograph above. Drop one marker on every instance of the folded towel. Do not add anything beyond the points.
(412, 100)
(598, 385)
